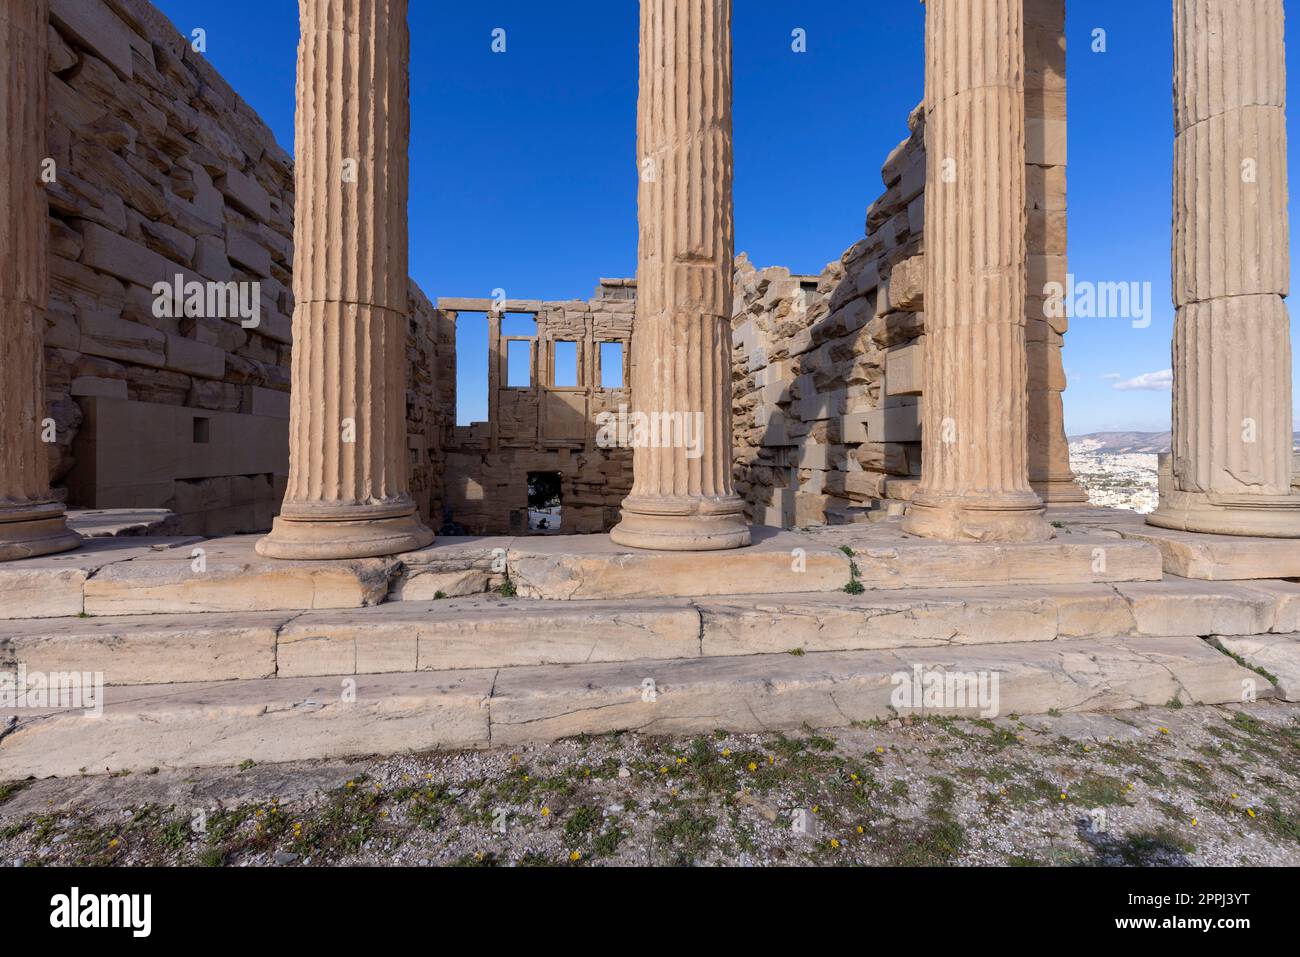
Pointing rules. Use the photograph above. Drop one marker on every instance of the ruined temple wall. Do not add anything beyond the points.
(161, 169)
(827, 370)
(542, 427)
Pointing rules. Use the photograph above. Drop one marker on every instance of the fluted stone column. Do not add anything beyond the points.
(31, 521)
(682, 496)
(975, 484)
(347, 495)
(1232, 346)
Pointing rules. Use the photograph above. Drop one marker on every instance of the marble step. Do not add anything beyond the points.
(285, 719)
(487, 631)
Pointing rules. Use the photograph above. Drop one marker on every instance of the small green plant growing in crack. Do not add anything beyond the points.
(854, 587)
(507, 589)
(1272, 678)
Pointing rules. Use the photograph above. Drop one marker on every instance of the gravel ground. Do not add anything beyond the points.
(1158, 786)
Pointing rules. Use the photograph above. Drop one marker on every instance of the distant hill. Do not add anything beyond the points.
(1128, 442)
(1122, 442)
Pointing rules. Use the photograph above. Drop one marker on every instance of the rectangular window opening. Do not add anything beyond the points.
(613, 374)
(565, 368)
(519, 364)
(472, 363)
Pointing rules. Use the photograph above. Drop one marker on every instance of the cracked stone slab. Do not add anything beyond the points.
(1279, 655)
(1076, 559)
(593, 567)
(485, 632)
(832, 689)
(227, 574)
(225, 723)
(147, 649)
(1182, 607)
(52, 586)
(766, 624)
(1219, 557)
(455, 566)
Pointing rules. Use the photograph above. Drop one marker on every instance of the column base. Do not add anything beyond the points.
(304, 533)
(1059, 491)
(27, 531)
(685, 524)
(1262, 516)
(1011, 518)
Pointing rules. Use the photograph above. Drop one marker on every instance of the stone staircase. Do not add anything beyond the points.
(200, 688)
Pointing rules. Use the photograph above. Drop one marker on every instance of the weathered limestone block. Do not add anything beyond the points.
(223, 723)
(1278, 655)
(477, 632)
(149, 649)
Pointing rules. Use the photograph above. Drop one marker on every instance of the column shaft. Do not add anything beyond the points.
(682, 496)
(31, 521)
(347, 494)
(975, 484)
(1232, 413)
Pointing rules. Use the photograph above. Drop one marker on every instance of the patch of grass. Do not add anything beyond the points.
(9, 788)
(854, 587)
(1098, 790)
(580, 824)
(507, 589)
(937, 839)
(686, 836)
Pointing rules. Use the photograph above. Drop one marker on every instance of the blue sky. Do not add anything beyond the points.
(523, 169)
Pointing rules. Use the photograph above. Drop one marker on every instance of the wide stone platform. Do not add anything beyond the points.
(140, 575)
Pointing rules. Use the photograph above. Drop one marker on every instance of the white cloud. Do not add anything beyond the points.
(1149, 381)
(1113, 376)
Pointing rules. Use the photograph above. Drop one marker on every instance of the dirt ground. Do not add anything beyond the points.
(1159, 786)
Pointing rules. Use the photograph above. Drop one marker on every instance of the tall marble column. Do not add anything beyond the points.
(347, 495)
(1232, 412)
(975, 483)
(31, 521)
(682, 496)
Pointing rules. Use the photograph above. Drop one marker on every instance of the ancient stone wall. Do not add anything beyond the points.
(542, 427)
(161, 170)
(828, 370)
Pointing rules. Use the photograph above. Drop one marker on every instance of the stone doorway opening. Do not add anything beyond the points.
(545, 502)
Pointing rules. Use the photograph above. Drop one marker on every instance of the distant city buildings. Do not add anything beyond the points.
(1115, 479)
